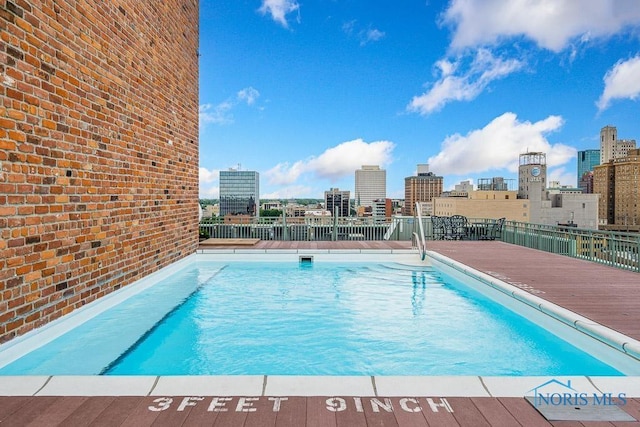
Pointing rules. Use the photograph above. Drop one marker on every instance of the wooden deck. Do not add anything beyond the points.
(282, 412)
(607, 295)
(604, 294)
(277, 244)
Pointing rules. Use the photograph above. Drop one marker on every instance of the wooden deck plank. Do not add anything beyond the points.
(115, 414)
(466, 412)
(179, 411)
(350, 416)
(262, 413)
(408, 412)
(141, 415)
(86, 412)
(31, 411)
(317, 413)
(438, 412)
(230, 418)
(57, 413)
(522, 411)
(380, 412)
(632, 407)
(10, 404)
(293, 412)
(200, 415)
(493, 411)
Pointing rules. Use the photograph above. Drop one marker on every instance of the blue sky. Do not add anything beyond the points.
(307, 91)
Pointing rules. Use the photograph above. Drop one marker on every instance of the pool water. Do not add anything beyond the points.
(320, 318)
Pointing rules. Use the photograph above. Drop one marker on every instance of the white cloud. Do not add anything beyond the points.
(207, 176)
(215, 114)
(551, 24)
(335, 163)
(621, 82)
(209, 192)
(249, 95)
(556, 25)
(279, 9)
(563, 176)
(349, 27)
(290, 192)
(498, 146)
(209, 183)
(371, 35)
(465, 86)
(364, 35)
(221, 114)
(283, 173)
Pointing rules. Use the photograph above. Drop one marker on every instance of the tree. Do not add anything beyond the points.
(270, 212)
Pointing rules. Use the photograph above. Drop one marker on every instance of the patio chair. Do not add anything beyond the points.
(459, 227)
(495, 229)
(437, 227)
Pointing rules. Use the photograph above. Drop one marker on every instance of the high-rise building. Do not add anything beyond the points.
(421, 188)
(612, 148)
(371, 184)
(336, 201)
(604, 185)
(587, 160)
(239, 192)
(586, 182)
(618, 184)
(381, 209)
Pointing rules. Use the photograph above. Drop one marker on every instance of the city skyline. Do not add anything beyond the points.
(307, 93)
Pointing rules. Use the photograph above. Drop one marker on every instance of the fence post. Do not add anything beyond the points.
(285, 231)
(638, 254)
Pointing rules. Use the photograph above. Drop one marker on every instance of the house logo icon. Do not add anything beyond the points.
(539, 391)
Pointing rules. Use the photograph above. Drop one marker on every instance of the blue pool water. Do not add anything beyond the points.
(315, 319)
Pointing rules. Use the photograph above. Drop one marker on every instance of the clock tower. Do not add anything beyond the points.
(532, 176)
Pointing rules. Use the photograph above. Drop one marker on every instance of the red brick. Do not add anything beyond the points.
(8, 210)
(55, 121)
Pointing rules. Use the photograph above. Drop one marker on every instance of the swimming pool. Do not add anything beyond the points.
(223, 317)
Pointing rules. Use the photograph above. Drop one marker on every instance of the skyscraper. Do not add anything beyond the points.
(371, 184)
(618, 184)
(612, 148)
(421, 188)
(336, 201)
(587, 160)
(239, 192)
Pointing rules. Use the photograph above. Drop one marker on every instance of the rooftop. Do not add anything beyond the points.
(604, 294)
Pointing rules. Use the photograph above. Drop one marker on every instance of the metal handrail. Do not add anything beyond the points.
(421, 239)
(416, 238)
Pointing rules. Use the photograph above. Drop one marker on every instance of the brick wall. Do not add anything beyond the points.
(98, 149)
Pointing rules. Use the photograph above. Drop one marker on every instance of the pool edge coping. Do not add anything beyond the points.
(275, 385)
